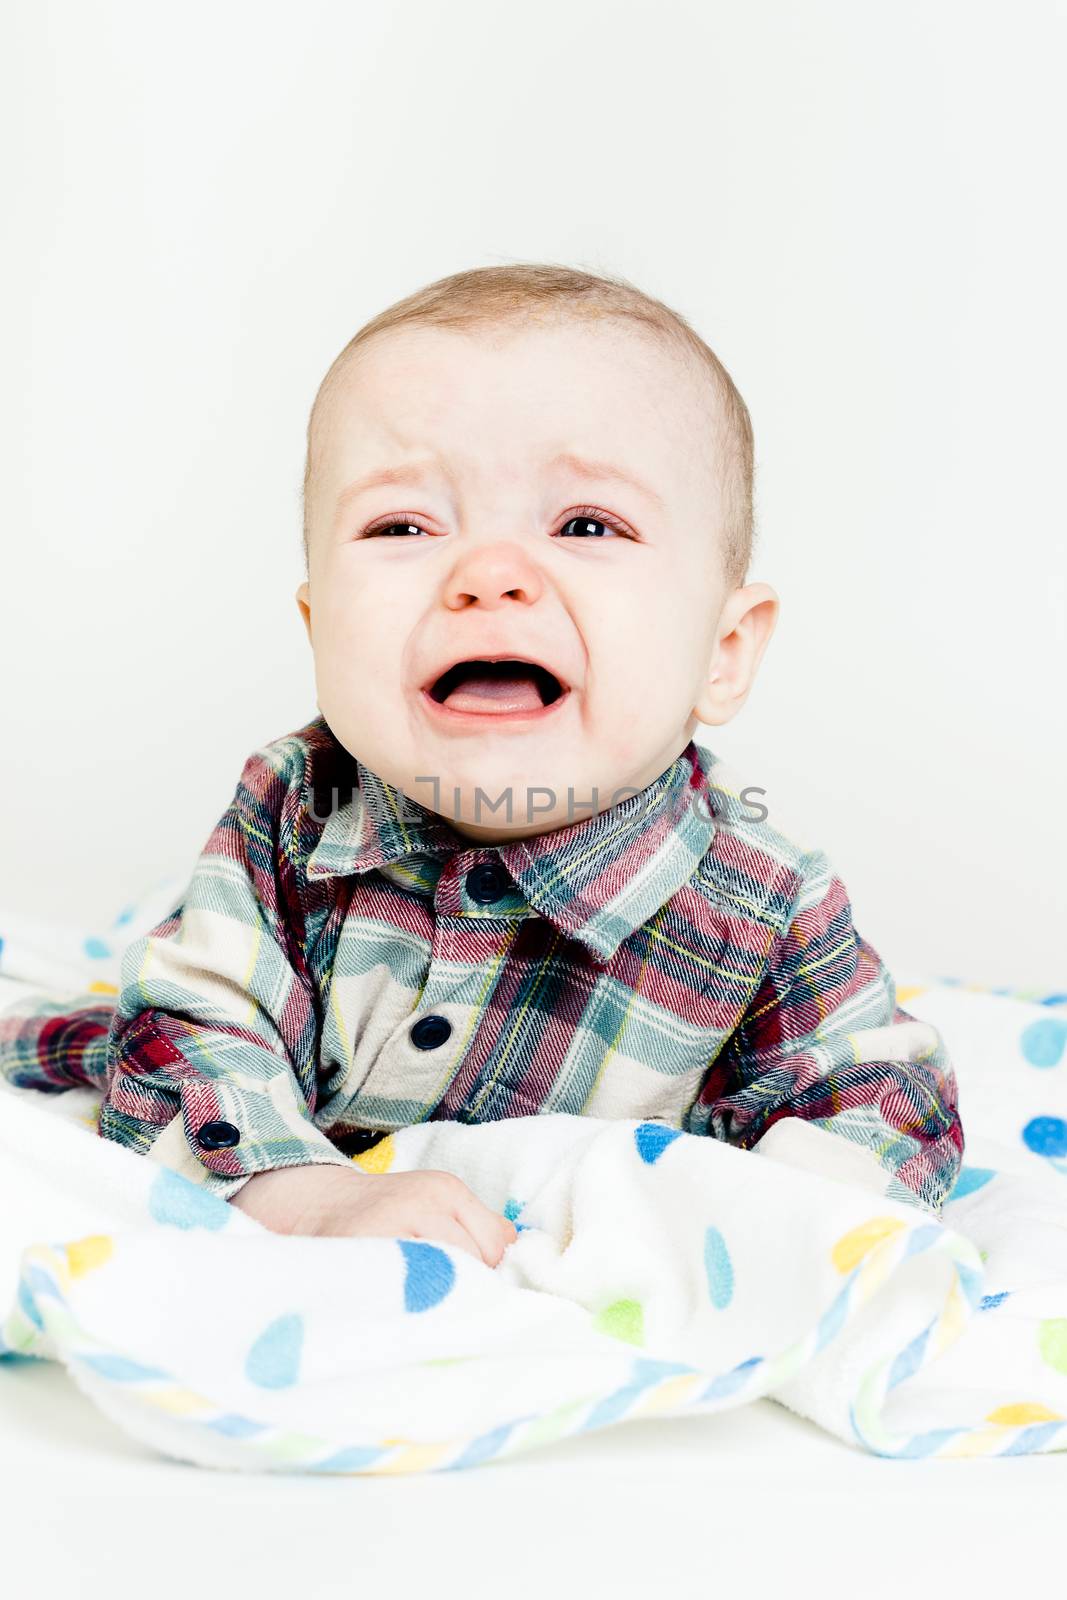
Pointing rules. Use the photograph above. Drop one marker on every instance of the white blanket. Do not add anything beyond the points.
(654, 1273)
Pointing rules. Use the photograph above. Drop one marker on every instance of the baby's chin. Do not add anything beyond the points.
(507, 792)
(506, 778)
(507, 786)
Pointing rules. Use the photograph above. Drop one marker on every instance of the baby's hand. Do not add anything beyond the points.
(331, 1200)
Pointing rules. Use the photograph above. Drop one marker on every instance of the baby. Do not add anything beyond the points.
(496, 876)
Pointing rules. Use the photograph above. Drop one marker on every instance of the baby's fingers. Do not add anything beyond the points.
(446, 1229)
(492, 1232)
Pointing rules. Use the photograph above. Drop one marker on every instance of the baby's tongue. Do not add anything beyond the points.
(496, 689)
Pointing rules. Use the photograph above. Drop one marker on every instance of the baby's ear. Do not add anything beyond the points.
(745, 627)
(715, 704)
(303, 600)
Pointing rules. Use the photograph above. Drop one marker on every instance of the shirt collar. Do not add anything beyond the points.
(597, 879)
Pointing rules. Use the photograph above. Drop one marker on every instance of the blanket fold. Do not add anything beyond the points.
(655, 1273)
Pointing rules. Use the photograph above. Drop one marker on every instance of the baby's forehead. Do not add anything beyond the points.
(599, 342)
(618, 382)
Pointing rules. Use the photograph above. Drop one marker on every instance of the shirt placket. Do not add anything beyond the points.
(477, 907)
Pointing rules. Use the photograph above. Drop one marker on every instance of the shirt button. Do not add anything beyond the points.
(429, 1032)
(218, 1136)
(487, 882)
(356, 1140)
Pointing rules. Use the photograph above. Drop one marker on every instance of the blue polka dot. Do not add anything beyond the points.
(652, 1138)
(97, 949)
(174, 1200)
(40, 1283)
(719, 1269)
(729, 1382)
(512, 1210)
(989, 1301)
(1046, 1136)
(970, 1179)
(1043, 1042)
(429, 1276)
(274, 1360)
(236, 1427)
(354, 1459)
(29, 1306)
(120, 1369)
(647, 1370)
(482, 1448)
(970, 1282)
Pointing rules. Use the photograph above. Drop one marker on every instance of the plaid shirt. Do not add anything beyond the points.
(343, 960)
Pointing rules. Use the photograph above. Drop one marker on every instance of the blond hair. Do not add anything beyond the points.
(487, 296)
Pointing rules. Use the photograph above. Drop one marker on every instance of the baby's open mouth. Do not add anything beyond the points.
(498, 686)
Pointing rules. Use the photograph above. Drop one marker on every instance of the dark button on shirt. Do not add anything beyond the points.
(429, 1032)
(487, 882)
(218, 1136)
(354, 1141)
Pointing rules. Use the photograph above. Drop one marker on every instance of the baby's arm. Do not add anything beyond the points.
(212, 1056)
(824, 1041)
(213, 1047)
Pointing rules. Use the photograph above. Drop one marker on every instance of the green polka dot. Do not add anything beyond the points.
(623, 1319)
(554, 1423)
(1052, 1342)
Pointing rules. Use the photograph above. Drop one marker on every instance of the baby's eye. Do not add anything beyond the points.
(592, 524)
(587, 523)
(395, 530)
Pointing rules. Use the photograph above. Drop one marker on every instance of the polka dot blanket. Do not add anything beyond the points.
(654, 1273)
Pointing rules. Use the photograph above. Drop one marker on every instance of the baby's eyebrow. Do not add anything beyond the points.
(605, 471)
(401, 473)
(577, 466)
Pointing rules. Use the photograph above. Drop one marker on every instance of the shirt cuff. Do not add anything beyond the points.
(225, 1134)
(797, 1143)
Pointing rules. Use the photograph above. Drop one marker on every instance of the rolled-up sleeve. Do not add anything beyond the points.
(825, 1042)
(212, 1052)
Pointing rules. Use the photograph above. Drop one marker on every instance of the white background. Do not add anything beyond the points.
(860, 207)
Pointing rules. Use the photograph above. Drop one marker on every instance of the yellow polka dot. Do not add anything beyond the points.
(851, 1248)
(909, 991)
(379, 1158)
(1023, 1411)
(86, 1254)
(671, 1392)
(179, 1402)
(98, 986)
(416, 1458)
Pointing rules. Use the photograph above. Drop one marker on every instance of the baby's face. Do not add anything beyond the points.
(549, 493)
